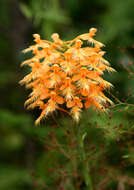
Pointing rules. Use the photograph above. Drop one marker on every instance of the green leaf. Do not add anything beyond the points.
(26, 10)
(126, 156)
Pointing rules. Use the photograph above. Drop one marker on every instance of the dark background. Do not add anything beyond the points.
(23, 157)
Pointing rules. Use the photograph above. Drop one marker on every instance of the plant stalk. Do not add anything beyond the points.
(85, 164)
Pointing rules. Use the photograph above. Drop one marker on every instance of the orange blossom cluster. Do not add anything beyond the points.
(66, 72)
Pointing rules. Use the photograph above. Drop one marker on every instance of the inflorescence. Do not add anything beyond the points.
(66, 72)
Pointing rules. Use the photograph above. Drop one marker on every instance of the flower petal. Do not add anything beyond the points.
(76, 77)
(59, 100)
(70, 104)
(87, 104)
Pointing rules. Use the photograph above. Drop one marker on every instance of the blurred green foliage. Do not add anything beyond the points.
(30, 157)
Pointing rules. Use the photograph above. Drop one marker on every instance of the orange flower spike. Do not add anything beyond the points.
(66, 72)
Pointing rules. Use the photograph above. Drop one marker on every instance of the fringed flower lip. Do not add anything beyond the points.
(66, 72)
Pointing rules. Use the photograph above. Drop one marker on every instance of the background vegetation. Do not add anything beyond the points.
(46, 157)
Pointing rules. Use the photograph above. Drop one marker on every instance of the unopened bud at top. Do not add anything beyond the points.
(92, 32)
(55, 36)
(37, 38)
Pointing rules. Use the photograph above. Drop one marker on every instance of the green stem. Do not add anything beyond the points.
(85, 164)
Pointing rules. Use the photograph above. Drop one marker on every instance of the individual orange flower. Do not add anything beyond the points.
(67, 88)
(68, 64)
(53, 102)
(76, 106)
(65, 72)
